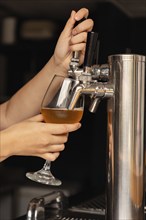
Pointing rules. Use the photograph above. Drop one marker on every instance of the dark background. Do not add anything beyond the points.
(120, 31)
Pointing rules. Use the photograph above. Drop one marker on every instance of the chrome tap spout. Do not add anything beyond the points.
(94, 90)
(75, 96)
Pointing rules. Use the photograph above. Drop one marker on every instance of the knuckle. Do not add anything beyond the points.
(71, 41)
(36, 151)
(41, 150)
(44, 140)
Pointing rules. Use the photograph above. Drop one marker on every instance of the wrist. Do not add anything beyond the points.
(59, 67)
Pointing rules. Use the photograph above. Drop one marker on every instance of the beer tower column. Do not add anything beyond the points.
(125, 177)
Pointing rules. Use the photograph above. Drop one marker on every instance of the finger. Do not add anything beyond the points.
(49, 156)
(61, 128)
(55, 148)
(36, 118)
(86, 25)
(52, 148)
(82, 13)
(59, 139)
(78, 47)
(79, 38)
(69, 25)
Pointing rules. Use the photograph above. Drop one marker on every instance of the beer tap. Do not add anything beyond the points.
(91, 80)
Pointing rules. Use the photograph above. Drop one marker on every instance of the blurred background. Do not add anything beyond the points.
(28, 34)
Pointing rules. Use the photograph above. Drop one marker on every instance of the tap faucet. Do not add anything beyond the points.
(92, 79)
(55, 199)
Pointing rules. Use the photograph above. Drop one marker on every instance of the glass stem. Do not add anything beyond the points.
(47, 165)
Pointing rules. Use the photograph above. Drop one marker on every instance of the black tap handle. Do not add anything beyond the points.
(91, 46)
(77, 53)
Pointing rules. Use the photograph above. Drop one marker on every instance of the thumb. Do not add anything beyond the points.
(37, 118)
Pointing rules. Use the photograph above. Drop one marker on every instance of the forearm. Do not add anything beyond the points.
(5, 146)
(27, 101)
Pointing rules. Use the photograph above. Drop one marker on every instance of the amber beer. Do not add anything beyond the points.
(62, 116)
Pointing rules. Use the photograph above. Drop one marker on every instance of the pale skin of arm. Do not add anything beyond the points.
(23, 135)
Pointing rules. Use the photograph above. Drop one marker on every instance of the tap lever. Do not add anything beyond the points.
(96, 53)
(91, 46)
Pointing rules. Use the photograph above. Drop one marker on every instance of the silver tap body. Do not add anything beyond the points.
(125, 176)
(91, 81)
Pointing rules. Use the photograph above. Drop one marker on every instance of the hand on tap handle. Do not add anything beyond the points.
(75, 60)
(73, 38)
(74, 64)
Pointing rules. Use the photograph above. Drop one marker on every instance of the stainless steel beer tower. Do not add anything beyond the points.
(125, 169)
(122, 82)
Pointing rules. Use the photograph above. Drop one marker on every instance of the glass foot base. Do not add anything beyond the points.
(44, 177)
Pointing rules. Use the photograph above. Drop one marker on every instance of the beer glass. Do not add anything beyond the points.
(55, 109)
